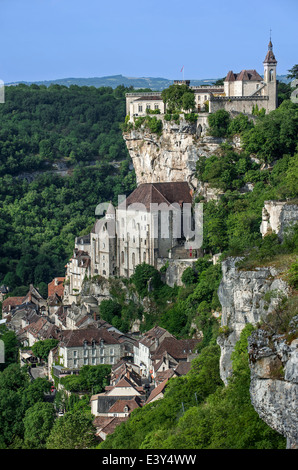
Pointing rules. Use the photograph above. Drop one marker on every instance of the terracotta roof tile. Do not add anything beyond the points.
(12, 302)
(178, 349)
(119, 406)
(71, 338)
(157, 390)
(56, 287)
(157, 193)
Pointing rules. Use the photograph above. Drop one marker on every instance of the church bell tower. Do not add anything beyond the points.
(270, 64)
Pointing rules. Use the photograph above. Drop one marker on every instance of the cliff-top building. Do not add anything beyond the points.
(241, 92)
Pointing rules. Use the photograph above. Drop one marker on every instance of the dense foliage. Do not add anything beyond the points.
(91, 379)
(41, 218)
(177, 98)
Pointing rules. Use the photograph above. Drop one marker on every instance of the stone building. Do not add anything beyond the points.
(76, 269)
(89, 346)
(154, 222)
(241, 92)
(138, 104)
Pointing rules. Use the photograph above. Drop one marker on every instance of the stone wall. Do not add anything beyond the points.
(243, 104)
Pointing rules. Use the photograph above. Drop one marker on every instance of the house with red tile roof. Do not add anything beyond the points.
(10, 303)
(56, 286)
(158, 392)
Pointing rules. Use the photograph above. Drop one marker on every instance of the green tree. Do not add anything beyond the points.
(42, 348)
(38, 422)
(293, 72)
(74, 430)
(219, 123)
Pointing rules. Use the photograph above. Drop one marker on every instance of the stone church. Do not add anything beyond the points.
(153, 223)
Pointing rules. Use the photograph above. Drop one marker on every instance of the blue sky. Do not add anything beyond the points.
(50, 39)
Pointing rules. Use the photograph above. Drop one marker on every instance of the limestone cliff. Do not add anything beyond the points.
(172, 156)
(241, 294)
(249, 297)
(274, 380)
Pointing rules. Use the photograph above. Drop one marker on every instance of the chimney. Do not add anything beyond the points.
(56, 281)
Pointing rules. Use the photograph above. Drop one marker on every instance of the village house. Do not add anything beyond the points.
(115, 404)
(158, 392)
(147, 345)
(90, 346)
(77, 268)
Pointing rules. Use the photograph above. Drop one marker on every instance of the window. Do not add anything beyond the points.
(86, 361)
(86, 353)
(75, 363)
(112, 351)
(140, 108)
(93, 361)
(102, 360)
(75, 354)
(112, 360)
(271, 75)
(102, 351)
(148, 106)
(156, 106)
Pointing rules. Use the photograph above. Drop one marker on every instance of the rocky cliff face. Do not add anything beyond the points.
(171, 156)
(241, 294)
(248, 297)
(274, 381)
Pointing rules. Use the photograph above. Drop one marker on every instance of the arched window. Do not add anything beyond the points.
(122, 257)
(271, 75)
(133, 259)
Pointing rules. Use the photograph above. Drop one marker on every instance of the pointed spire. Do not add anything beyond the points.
(270, 57)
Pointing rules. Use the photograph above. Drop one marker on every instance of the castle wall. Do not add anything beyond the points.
(241, 104)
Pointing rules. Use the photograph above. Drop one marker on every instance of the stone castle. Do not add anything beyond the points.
(240, 92)
(134, 232)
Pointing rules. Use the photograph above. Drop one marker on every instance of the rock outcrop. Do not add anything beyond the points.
(241, 294)
(274, 381)
(173, 155)
(249, 297)
(277, 216)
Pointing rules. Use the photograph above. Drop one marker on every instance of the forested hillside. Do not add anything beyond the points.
(39, 127)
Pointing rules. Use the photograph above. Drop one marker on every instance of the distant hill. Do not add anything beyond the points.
(154, 83)
(116, 80)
